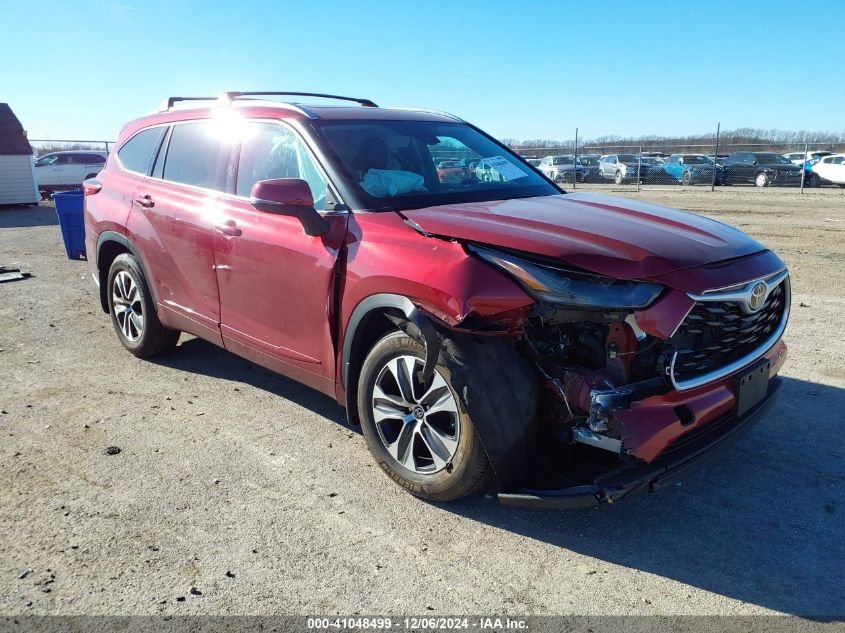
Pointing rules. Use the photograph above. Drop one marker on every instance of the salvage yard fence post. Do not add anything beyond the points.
(804, 168)
(639, 165)
(715, 157)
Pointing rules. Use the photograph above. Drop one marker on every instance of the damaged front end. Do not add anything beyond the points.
(641, 381)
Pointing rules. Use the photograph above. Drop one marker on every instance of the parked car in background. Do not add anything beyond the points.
(562, 168)
(692, 169)
(655, 171)
(60, 171)
(797, 158)
(534, 161)
(450, 171)
(590, 162)
(622, 168)
(760, 168)
(829, 169)
(478, 332)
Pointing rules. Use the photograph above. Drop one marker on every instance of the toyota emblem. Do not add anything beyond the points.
(757, 297)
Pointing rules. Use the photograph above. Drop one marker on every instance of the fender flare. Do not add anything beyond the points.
(429, 337)
(120, 238)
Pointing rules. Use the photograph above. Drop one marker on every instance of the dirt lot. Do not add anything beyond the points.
(249, 487)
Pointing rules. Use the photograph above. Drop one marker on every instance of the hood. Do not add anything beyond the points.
(621, 238)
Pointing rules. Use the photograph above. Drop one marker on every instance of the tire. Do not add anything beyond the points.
(761, 179)
(813, 181)
(454, 468)
(133, 313)
(686, 179)
(618, 179)
(90, 176)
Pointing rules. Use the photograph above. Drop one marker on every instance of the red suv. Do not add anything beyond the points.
(568, 349)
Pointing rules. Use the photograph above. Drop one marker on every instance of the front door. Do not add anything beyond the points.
(276, 283)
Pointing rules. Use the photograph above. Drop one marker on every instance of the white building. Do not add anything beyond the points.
(17, 179)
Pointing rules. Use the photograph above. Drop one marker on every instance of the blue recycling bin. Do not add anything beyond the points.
(69, 210)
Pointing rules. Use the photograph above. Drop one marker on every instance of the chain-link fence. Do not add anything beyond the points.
(720, 163)
(46, 146)
(647, 165)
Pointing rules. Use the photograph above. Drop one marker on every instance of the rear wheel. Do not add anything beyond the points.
(419, 432)
(133, 312)
(762, 179)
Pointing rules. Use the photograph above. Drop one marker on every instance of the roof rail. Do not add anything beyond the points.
(231, 96)
(168, 103)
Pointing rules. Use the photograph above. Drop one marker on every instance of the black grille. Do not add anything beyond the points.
(716, 333)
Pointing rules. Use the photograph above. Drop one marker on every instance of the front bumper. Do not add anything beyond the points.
(670, 467)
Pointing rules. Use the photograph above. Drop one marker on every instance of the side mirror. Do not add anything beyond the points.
(289, 196)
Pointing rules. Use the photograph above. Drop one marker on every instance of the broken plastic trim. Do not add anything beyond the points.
(645, 477)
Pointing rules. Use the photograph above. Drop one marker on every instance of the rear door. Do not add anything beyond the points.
(89, 165)
(173, 214)
(276, 283)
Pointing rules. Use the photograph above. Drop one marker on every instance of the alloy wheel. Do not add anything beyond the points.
(417, 423)
(128, 307)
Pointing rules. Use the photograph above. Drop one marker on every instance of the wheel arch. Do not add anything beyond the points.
(373, 318)
(110, 244)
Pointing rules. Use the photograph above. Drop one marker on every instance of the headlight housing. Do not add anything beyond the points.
(564, 287)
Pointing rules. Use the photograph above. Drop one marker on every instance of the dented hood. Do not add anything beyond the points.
(621, 238)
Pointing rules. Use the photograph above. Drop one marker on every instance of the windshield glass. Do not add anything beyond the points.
(692, 159)
(588, 160)
(628, 158)
(390, 164)
(564, 160)
(769, 159)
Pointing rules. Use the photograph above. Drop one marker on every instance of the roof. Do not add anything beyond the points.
(12, 138)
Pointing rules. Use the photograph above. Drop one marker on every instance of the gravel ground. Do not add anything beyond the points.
(249, 488)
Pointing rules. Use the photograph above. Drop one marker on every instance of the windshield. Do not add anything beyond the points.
(390, 164)
(563, 160)
(769, 159)
(588, 160)
(692, 159)
(628, 158)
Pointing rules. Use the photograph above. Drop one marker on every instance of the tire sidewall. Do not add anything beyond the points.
(444, 483)
(128, 264)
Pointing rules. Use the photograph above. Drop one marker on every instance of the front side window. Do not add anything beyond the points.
(137, 153)
(271, 151)
(44, 161)
(389, 164)
(196, 156)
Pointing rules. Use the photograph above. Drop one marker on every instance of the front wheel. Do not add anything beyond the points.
(618, 178)
(686, 179)
(419, 432)
(133, 312)
(762, 179)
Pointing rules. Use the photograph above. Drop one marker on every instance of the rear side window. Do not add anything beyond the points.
(195, 156)
(137, 153)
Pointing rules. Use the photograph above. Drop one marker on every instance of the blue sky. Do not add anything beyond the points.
(519, 69)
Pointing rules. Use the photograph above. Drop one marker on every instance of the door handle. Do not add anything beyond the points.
(228, 228)
(145, 202)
